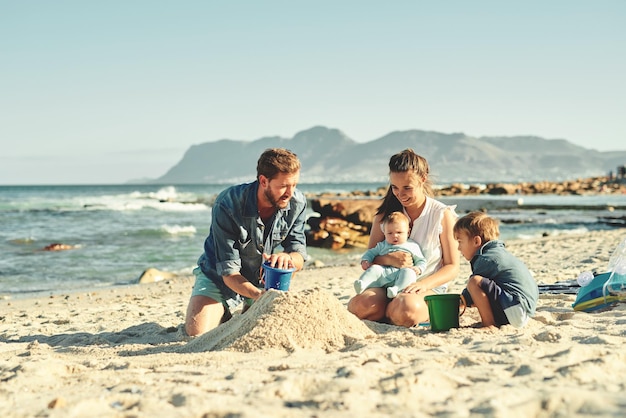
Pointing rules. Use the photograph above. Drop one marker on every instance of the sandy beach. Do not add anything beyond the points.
(121, 352)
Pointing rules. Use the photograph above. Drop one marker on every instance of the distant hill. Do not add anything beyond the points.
(328, 155)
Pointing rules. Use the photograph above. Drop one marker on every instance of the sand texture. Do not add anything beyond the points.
(122, 352)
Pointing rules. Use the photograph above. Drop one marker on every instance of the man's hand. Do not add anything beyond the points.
(280, 261)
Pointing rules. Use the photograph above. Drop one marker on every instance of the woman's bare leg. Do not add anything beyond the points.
(371, 304)
(408, 309)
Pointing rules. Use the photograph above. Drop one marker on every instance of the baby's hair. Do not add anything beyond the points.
(478, 224)
(394, 217)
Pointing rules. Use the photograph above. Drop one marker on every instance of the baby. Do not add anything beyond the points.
(501, 287)
(396, 230)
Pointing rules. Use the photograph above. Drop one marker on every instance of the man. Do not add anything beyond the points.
(249, 221)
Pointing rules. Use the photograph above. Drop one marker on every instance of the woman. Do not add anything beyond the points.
(432, 222)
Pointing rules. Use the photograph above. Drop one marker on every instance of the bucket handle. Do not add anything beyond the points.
(464, 305)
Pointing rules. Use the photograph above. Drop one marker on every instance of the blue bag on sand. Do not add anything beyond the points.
(606, 289)
(592, 297)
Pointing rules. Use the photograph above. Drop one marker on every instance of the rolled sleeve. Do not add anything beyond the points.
(226, 268)
(295, 241)
(225, 236)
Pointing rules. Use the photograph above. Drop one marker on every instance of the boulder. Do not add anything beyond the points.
(153, 275)
(345, 220)
(58, 246)
(342, 222)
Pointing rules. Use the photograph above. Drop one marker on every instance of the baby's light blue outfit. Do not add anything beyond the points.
(393, 278)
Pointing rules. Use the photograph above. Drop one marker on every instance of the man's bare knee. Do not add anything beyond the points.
(203, 314)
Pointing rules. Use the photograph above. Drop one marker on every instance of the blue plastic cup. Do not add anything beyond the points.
(278, 279)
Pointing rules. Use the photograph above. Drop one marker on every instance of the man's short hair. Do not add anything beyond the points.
(277, 160)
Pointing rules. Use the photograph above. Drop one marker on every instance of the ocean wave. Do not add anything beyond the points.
(179, 230)
(166, 199)
(541, 231)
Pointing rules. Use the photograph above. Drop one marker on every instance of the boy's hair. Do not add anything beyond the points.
(277, 160)
(478, 224)
(394, 217)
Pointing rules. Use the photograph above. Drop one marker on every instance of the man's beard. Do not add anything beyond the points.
(273, 201)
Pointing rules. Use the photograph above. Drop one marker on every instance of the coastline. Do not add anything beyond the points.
(139, 227)
(121, 351)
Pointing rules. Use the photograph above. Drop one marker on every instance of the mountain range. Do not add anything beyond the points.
(328, 155)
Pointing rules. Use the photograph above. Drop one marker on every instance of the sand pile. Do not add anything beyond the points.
(308, 319)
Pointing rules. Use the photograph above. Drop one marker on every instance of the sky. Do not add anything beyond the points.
(104, 92)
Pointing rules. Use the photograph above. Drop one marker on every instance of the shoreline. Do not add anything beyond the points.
(347, 260)
(121, 351)
(170, 237)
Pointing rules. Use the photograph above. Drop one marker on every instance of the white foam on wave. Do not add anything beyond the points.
(574, 231)
(165, 199)
(551, 233)
(181, 207)
(179, 230)
(165, 194)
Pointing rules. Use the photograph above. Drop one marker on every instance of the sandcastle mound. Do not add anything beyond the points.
(307, 319)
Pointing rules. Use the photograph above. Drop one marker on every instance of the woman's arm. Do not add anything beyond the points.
(450, 258)
(376, 233)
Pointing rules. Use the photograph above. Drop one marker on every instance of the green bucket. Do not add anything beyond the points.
(443, 311)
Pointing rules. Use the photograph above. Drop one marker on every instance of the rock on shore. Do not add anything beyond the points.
(344, 220)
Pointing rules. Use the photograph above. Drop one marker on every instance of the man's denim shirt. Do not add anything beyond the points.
(235, 241)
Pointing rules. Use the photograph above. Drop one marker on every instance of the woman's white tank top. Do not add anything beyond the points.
(426, 230)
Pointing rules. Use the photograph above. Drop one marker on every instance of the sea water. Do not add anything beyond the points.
(118, 231)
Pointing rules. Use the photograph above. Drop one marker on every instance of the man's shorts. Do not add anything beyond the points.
(205, 287)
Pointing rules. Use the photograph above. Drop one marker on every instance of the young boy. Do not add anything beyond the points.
(396, 230)
(501, 287)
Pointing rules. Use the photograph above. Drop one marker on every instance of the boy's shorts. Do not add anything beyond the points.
(205, 287)
(514, 314)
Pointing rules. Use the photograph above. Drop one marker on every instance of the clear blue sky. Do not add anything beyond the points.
(108, 91)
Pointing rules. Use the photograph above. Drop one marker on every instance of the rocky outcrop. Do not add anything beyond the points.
(341, 222)
(592, 185)
(345, 220)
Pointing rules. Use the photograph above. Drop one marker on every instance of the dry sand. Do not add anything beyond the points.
(121, 352)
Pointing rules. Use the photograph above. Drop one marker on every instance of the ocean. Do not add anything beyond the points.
(118, 231)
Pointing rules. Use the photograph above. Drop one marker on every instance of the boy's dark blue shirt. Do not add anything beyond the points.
(494, 262)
